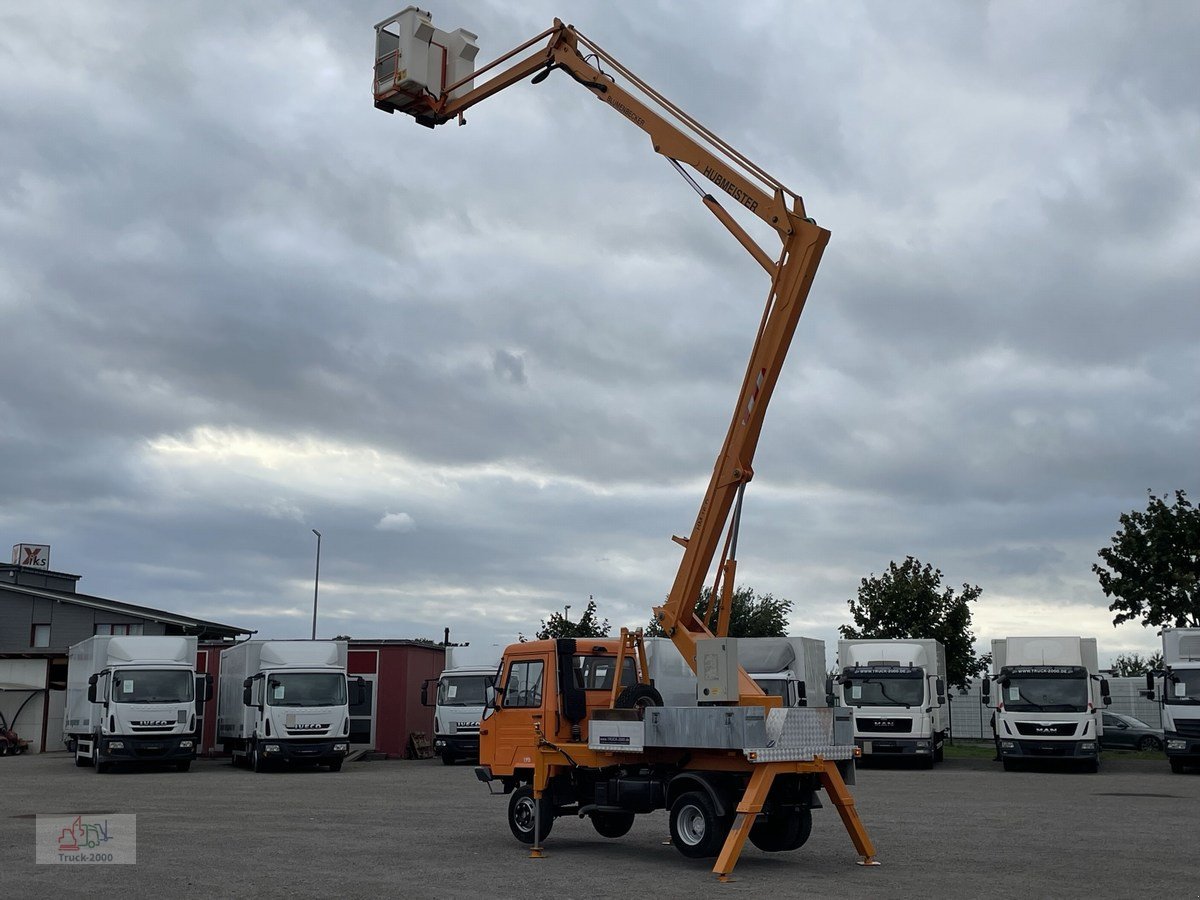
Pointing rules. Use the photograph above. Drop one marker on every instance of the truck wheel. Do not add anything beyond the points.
(696, 830)
(939, 755)
(447, 758)
(639, 696)
(183, 765)
(100, 767)
(612, 824)
(257, 763)
(1177, 765)
(336, 765)
(1008, 764)
(782, 831)
(521, 811)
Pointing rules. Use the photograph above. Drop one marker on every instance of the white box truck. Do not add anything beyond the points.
(458, 700)
(1180, 696)
(1049, 697)
(285, 702)
(789, 667)
(133, 699)
(896, 690)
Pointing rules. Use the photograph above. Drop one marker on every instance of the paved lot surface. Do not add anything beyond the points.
(420, 829)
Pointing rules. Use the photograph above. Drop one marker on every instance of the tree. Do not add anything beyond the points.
(750, 614)
(907, 601)
(586, 626)
(1128, 665)
(1152, 568)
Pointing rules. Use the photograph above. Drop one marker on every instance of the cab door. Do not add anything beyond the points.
(526, 691)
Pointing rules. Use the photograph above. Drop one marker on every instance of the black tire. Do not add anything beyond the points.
(696, 830)
(1008, 764)
(1092, 766)
(257, 763)
(336, 766)
(782, 831)
(612, 824)
(521, 813)
(1177, 765)
(447, 758)
(1149, 742)
(639, 696)
(183, 765)
(939, 755)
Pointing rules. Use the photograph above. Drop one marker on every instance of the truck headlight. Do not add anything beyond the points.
(1008, 745)
(1176, 745)
(1088, 745)
(116, 745)
(186, 745)
(341, 748)
(270, 748)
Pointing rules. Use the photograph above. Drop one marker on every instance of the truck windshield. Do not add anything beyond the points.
(464, 690)
(306, 689)
(884, 686)
(1044, 693)
(1190, 679)
(153, 686)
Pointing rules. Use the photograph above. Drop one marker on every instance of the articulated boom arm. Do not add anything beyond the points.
(682, 140)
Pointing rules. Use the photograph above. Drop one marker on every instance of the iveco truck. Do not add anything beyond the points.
(1180, 698)
(285, 702)
(459, 695)
(133, 699)
(1049, 697)
(897, 692)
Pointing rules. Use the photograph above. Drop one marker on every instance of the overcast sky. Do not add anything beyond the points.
(493, 365)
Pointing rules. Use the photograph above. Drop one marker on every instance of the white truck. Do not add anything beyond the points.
(896, 690)
(285, 702)
(1049, 699)
(133, 699)
(1180, 696)
(789, 667)
(461, 690)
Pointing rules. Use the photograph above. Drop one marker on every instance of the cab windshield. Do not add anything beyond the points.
(153, 686)
(464, 690)
(306, 689)
(883, 686)
(1046, 693)
(1190, 679)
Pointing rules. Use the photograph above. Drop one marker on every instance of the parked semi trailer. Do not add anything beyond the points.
(133, 699)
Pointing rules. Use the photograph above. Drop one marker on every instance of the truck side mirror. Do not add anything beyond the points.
(801, 694)
(360, 691)
(92, 689)
(829, 697)
(1104, 692)
(247, 699)
(425, 691)
(985, 691)
(1150, 683)
(940, 686)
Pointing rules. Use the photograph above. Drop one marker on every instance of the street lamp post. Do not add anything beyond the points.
(567, 612)
(316, 583)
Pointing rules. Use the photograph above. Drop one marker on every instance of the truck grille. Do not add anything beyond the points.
(313, 730)
(1188, 728)
(1046, 729)
(138, 728)
(885, 725)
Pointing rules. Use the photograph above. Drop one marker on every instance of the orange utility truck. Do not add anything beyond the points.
(575, 727)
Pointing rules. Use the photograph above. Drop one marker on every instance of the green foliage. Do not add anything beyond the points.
(1152, 568)
(587, 625)
(751, 614)
(907, 601)
(1132, 664)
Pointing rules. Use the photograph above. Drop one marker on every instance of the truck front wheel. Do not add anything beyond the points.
(257, 763)
(1177, 765)
(523, 811)
(696, 830)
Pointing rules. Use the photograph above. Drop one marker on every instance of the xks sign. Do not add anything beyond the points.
(36, 556)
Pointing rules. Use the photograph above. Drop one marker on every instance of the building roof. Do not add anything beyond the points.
(200, 627)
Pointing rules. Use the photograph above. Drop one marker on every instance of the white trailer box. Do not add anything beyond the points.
(132, 698)
(897, 691)
(1049, 697)
(285, 702)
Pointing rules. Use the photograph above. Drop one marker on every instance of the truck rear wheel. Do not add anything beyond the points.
(782, 831)
(696, 830)
(522, 810)
(612, 824)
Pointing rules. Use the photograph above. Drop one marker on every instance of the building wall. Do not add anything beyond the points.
(69, 623)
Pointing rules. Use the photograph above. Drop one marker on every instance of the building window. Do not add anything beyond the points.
(40, 636)
(123, 628)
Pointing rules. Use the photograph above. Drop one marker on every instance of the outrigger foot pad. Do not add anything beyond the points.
(867, 861)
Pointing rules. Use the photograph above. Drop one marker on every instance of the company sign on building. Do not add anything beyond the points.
(35, 556)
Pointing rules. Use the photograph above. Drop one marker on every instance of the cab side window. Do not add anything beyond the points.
(524, 685)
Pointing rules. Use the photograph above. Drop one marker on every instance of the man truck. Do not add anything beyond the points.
(133, 699)
(1049, 700)
(1180, 698)
(459, 694)
(896, 690)
(285, 702)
